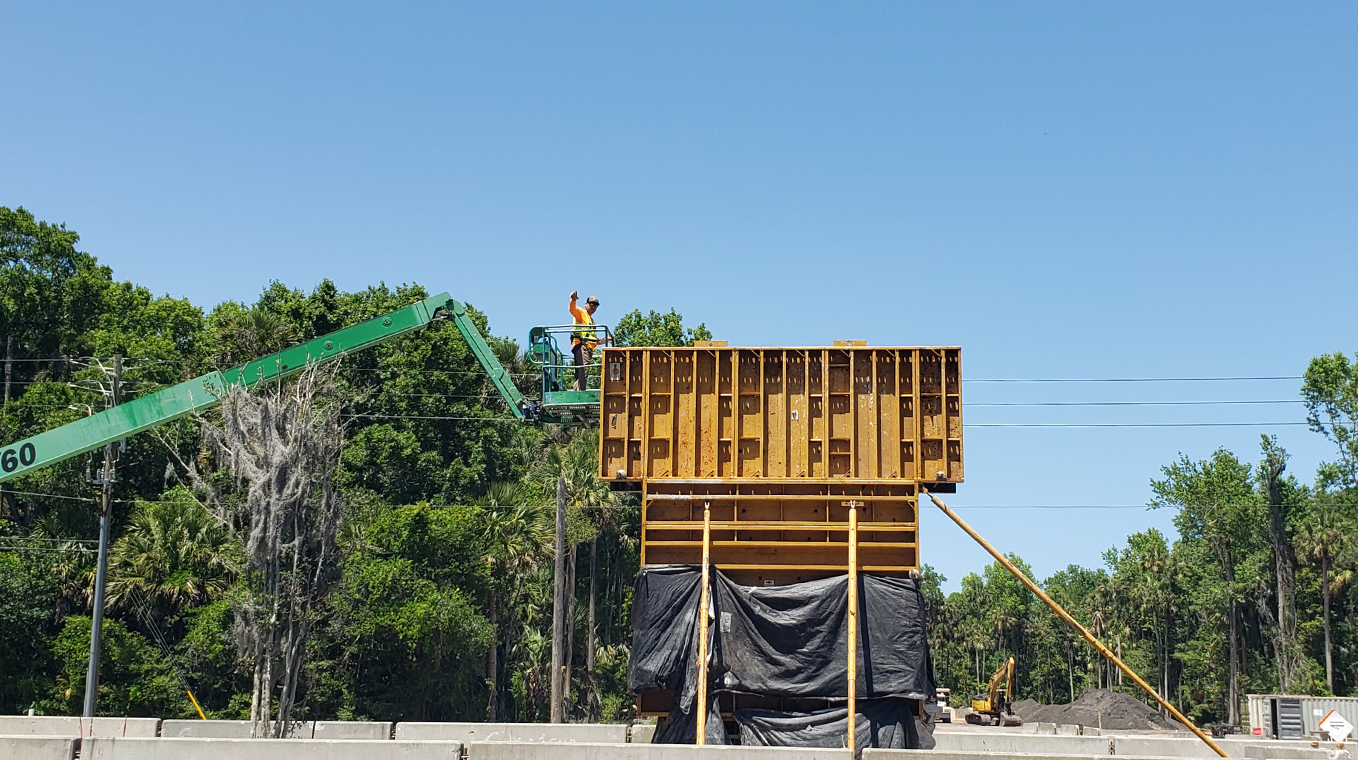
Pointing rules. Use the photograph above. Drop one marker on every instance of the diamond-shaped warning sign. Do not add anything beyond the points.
(1335, 725)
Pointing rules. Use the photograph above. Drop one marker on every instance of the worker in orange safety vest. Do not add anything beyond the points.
(583, 341)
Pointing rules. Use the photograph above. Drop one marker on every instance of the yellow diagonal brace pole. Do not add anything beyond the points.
(1073, 623)
(702, 624)
(195, 704)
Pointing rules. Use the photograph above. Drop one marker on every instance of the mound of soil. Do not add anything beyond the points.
(1116, 711)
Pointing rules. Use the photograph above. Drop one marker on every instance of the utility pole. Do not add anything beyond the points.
(105, 483)
(9, 364)
(559, 603)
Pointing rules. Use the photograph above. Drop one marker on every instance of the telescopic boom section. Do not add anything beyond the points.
(204, 392)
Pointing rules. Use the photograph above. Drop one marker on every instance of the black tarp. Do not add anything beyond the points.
(778, 641)
(880, 723)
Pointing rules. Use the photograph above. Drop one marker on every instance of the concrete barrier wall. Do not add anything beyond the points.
(351, 729)
(1148, 745)
(927, 754)
(267, 749)
(642, 733)
(225, 729)
(540, 751)
(37, 747)
(1016, 743)
(597, 733)
(69, 725)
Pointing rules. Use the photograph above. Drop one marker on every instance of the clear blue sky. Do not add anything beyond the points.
(1083, 190)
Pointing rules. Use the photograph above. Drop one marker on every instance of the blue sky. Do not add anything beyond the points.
(1082, 190)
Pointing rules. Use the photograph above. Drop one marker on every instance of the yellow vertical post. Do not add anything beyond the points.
(702, 625)
(853, 618)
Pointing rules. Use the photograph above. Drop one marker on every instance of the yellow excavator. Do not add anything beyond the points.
(997, 707)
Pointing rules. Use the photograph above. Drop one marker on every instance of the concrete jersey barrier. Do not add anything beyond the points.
(302, 729)
(641, 733)
(225, 729)
(267, 749)
(37, 747)
(1259, 749)
(541, 751)
(351, 729)
(1027, 744)
(1149, 745)
(933, 754)
(596, 733)
(70, 725)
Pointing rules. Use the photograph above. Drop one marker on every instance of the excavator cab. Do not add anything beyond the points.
(549, 349)
(996, 708)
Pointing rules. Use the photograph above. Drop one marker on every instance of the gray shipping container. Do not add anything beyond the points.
(1291, 716)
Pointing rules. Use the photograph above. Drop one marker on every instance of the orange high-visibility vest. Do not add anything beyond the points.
(582, 317)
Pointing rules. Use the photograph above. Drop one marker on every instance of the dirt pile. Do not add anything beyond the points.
(1116, 711)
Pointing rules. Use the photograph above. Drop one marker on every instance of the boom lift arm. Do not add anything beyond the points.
(200, 393)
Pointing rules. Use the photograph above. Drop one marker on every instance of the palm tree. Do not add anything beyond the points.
(516, 538)
(1322, 536)
(253, 334)
(173, 555)
(590, 505)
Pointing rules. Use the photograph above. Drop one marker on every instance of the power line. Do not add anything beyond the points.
(50, 540)
(1131, 403)
(1127, 424)
(1127, 379)
(420, 417)
(22, 548)
(49, 495)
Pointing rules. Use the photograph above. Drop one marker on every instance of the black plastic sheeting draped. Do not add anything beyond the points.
(881, 723)
(783, 641)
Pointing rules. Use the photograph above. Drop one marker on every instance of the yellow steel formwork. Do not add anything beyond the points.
(856, 413)
(777, 441)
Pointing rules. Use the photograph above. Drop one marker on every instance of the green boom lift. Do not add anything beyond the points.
(557, 404)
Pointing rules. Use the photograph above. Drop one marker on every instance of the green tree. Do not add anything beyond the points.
(516, 540)
(28, 624)
(135, 677)
(405, 641)
(1216, 504)
(1330, 388)
(656, 329)
(1324, 534)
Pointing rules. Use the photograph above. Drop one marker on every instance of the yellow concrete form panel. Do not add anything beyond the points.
(850, 412)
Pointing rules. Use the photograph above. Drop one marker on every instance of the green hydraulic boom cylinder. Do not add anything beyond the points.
(201, 393)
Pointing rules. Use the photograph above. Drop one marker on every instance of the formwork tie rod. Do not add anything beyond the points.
(1072, 622)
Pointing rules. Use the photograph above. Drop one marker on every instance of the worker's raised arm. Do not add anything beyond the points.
(576, 311)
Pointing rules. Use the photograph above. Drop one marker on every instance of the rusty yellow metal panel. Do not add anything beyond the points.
(778, 441)
(852, 412)
(781, 531)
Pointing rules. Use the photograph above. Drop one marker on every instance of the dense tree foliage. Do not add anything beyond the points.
(1196, 615)
(657, 329)
(444, 546)
(441, 606)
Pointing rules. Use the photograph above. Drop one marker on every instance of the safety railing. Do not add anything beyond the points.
(559, 367)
